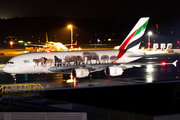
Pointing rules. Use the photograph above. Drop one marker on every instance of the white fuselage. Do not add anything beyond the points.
(28, 63)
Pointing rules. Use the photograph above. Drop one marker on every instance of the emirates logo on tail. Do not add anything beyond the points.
(132, 41)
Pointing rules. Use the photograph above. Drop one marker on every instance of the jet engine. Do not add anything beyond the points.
(80, 72)
(113, 71)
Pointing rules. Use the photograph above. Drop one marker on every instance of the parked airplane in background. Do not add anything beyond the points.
(49, 46)
(81, 63)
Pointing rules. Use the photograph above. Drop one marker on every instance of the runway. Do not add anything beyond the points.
(133, 76)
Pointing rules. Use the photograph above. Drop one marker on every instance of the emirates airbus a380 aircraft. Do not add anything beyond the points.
(81, 63)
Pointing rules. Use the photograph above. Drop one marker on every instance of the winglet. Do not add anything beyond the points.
(175, 63)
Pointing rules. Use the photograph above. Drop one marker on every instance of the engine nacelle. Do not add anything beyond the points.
(113, 71)
(80, 72)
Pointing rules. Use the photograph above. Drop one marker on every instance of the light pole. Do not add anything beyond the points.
(149, 43)
(71, 27)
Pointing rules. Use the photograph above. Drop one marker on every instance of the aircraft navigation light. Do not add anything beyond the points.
(163, 63)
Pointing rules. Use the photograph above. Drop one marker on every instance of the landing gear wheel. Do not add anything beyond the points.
(14, 76)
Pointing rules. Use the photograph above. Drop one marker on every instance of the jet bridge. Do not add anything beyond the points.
(20, 91)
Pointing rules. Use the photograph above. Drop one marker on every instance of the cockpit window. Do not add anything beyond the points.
(10, 62)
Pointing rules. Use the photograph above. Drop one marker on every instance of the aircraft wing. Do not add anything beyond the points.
(99, 67)
(134, 64)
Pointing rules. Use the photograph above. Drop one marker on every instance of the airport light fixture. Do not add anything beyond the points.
(20, 41)
(109, 39)
(149, 33)
(11, 42)
(71, 27)
(149, 43)
(25, 44)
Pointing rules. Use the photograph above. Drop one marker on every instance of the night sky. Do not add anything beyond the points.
(87, 8)
(92, 19)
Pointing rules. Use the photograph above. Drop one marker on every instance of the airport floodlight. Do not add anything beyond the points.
(11, 42)
(149, 33)
(149, 43)
(69, 26)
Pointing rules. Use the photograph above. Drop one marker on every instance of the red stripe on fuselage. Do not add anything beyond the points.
(123, 46)
(121, 53)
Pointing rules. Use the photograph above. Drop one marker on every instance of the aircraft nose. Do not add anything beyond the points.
(5, 69)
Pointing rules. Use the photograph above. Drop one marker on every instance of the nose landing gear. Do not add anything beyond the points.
(14, 76)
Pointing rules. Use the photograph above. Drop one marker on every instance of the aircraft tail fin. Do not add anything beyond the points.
(132, 41)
